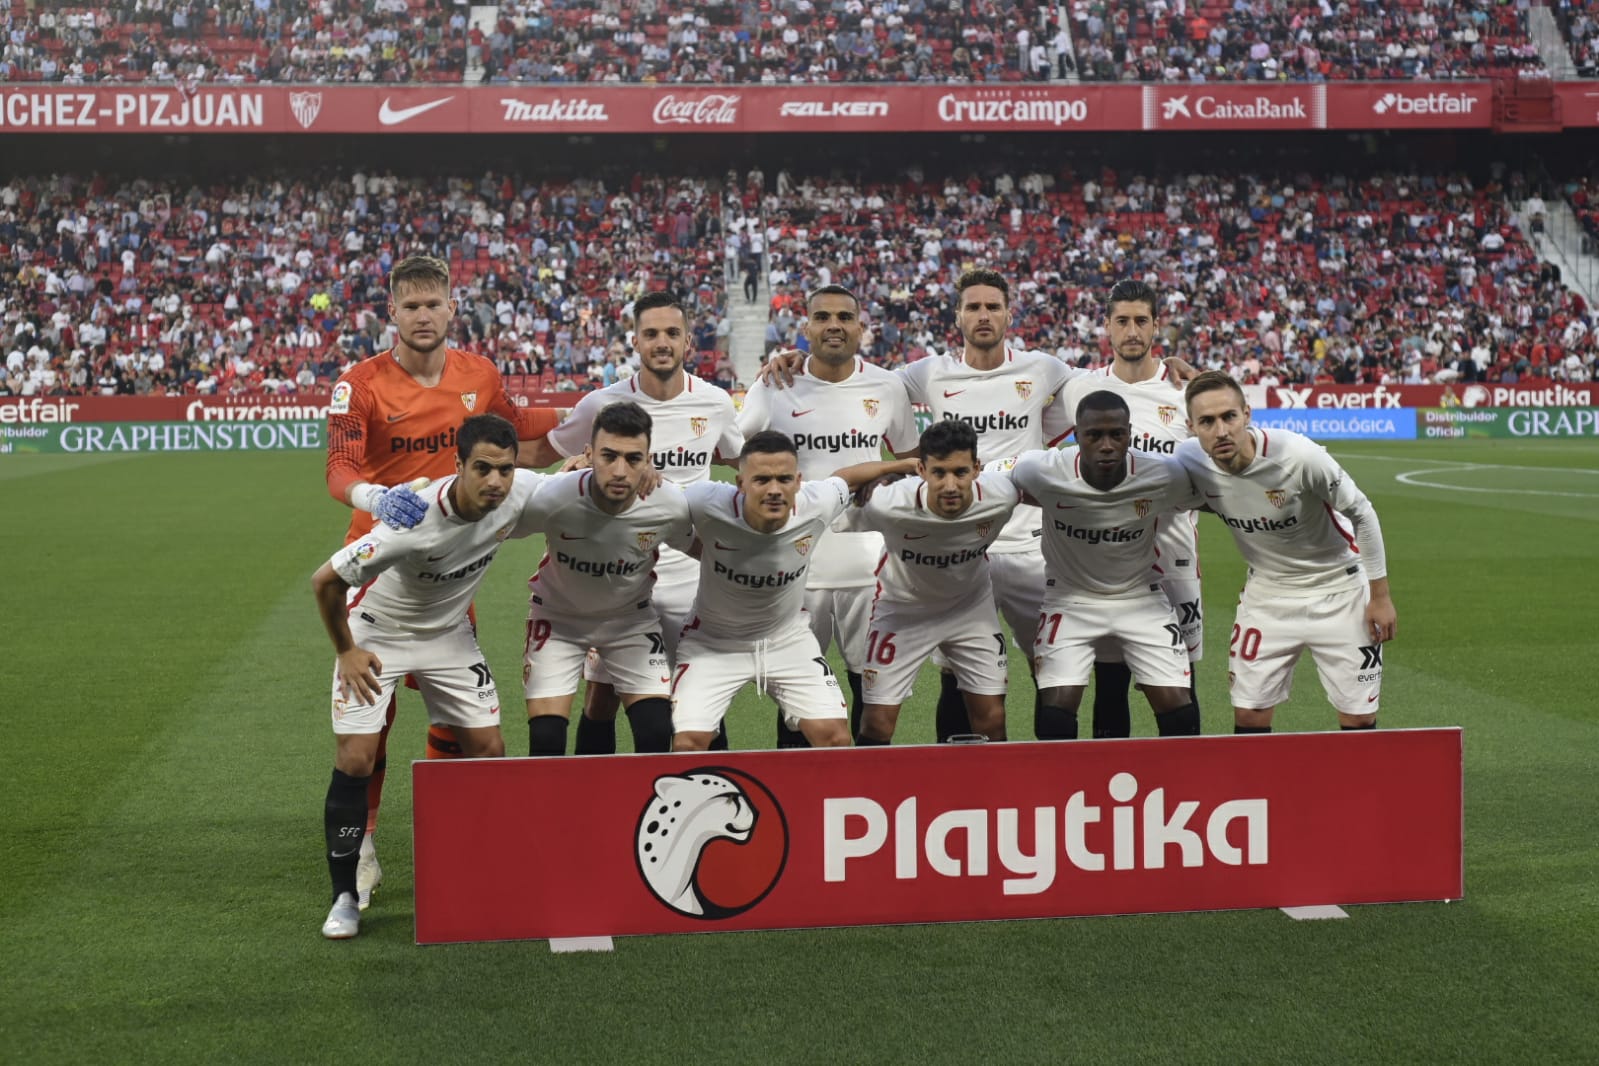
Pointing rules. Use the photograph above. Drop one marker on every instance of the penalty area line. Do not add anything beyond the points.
(1414, 479)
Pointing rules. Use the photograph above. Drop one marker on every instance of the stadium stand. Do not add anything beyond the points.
(772, 41)
(1296, 40)
(276, 284)
(1579, 24)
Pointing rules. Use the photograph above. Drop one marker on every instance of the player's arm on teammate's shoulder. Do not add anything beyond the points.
(1008, 468)
(1182, 371)
(863, 475)
(358, 668)
(781, 367)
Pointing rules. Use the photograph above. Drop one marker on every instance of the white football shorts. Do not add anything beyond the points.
(790, 666)
(1075, 629)
(843, 615)
(632, 646)
(673, 600)
(903, 636)
(1272, 629)
(449, 669)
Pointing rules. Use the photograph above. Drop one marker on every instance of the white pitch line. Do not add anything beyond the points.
(566, 945)
(1301, 914)
(1463, 465)
(1412, 477)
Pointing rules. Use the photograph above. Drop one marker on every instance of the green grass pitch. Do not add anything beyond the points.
(166, 751)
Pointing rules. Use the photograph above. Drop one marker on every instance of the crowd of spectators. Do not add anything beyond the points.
(275, 284)
(1277, 278)
(1299, 40)
(775, 41)
(1579, 22)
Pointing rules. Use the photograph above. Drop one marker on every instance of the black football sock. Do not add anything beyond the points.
(546, 735)
(594, 737)
(344, 824)
(789, 738)
(1183, 722)
(651, 720)
(1112, 715)
(856, 704)
(1364, 725)
(1243, 730)
(1193, 690)
(1054, 723)
(950, 717)
(719, 741)
(870, 742)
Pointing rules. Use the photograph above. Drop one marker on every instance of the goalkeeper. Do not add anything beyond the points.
(393, 419)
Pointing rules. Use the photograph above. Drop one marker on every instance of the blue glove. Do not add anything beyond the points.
(400, 507)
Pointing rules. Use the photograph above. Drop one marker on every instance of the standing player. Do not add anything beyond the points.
(841, 411)
(593, 587)
(1313, 582)
(393, 419)
(409, 616)
(1149, 388)
(755, 541)
(693, 426)
(1102, 503)
(934, 592)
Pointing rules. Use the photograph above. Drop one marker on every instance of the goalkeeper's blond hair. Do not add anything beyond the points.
(422, 271)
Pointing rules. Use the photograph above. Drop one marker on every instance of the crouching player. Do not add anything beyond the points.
(408, 615)
(749, 616)
(1101, 503)
(593, 587)
(934, 588)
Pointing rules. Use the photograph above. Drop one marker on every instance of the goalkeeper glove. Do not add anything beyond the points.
(398, 507)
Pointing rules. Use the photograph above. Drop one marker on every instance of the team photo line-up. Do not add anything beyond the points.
(668, 591)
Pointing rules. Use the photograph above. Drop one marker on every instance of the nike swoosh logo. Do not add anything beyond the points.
(916, 536)
(807, 411)
(436, 558)
(1371, 699)
(722, 547)
(336, 855)
(1212, 495)
(948, 394)
(393, 116)
(396, 418)
(565, 537)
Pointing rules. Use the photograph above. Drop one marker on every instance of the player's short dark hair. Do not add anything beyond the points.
(422, 271)
(946, 437)
(1102, 400)
(983, 276)
(651, 300)
(831, 290)
(622, 419)
(484, 429)
(769, 442)
(1131, 291)
(1210, 381)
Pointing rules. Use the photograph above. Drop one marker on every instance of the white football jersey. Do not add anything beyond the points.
(1284, 511)
(1014, 408)
(689, 431)
(597, 563)
(1159, 425)
(834, 425)
(421, 581)
(1102, 542)
(752, 584)
(933, 561)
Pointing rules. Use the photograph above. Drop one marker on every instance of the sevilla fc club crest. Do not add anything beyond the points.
(1166, 413)
(711, 843)
(1141, 508)
(1024, 389)
(699, 425)
(469, 400)
(983, 528)
(646, 541)
(305, 107)
(803, 545)
(871, 407)
(1277, 497)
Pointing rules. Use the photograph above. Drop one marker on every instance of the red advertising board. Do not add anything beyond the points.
(1376, 397)
(345, 109)
(635, 844)
(30, 410)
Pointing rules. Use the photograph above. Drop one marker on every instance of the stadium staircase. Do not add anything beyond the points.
(1567, 245)
(483, 18)
(747, 344)
(1551, 45)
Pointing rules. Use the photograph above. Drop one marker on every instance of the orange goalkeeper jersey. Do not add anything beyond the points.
(385, 428)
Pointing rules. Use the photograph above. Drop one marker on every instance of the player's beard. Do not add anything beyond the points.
(666, 374)
(424, 348)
